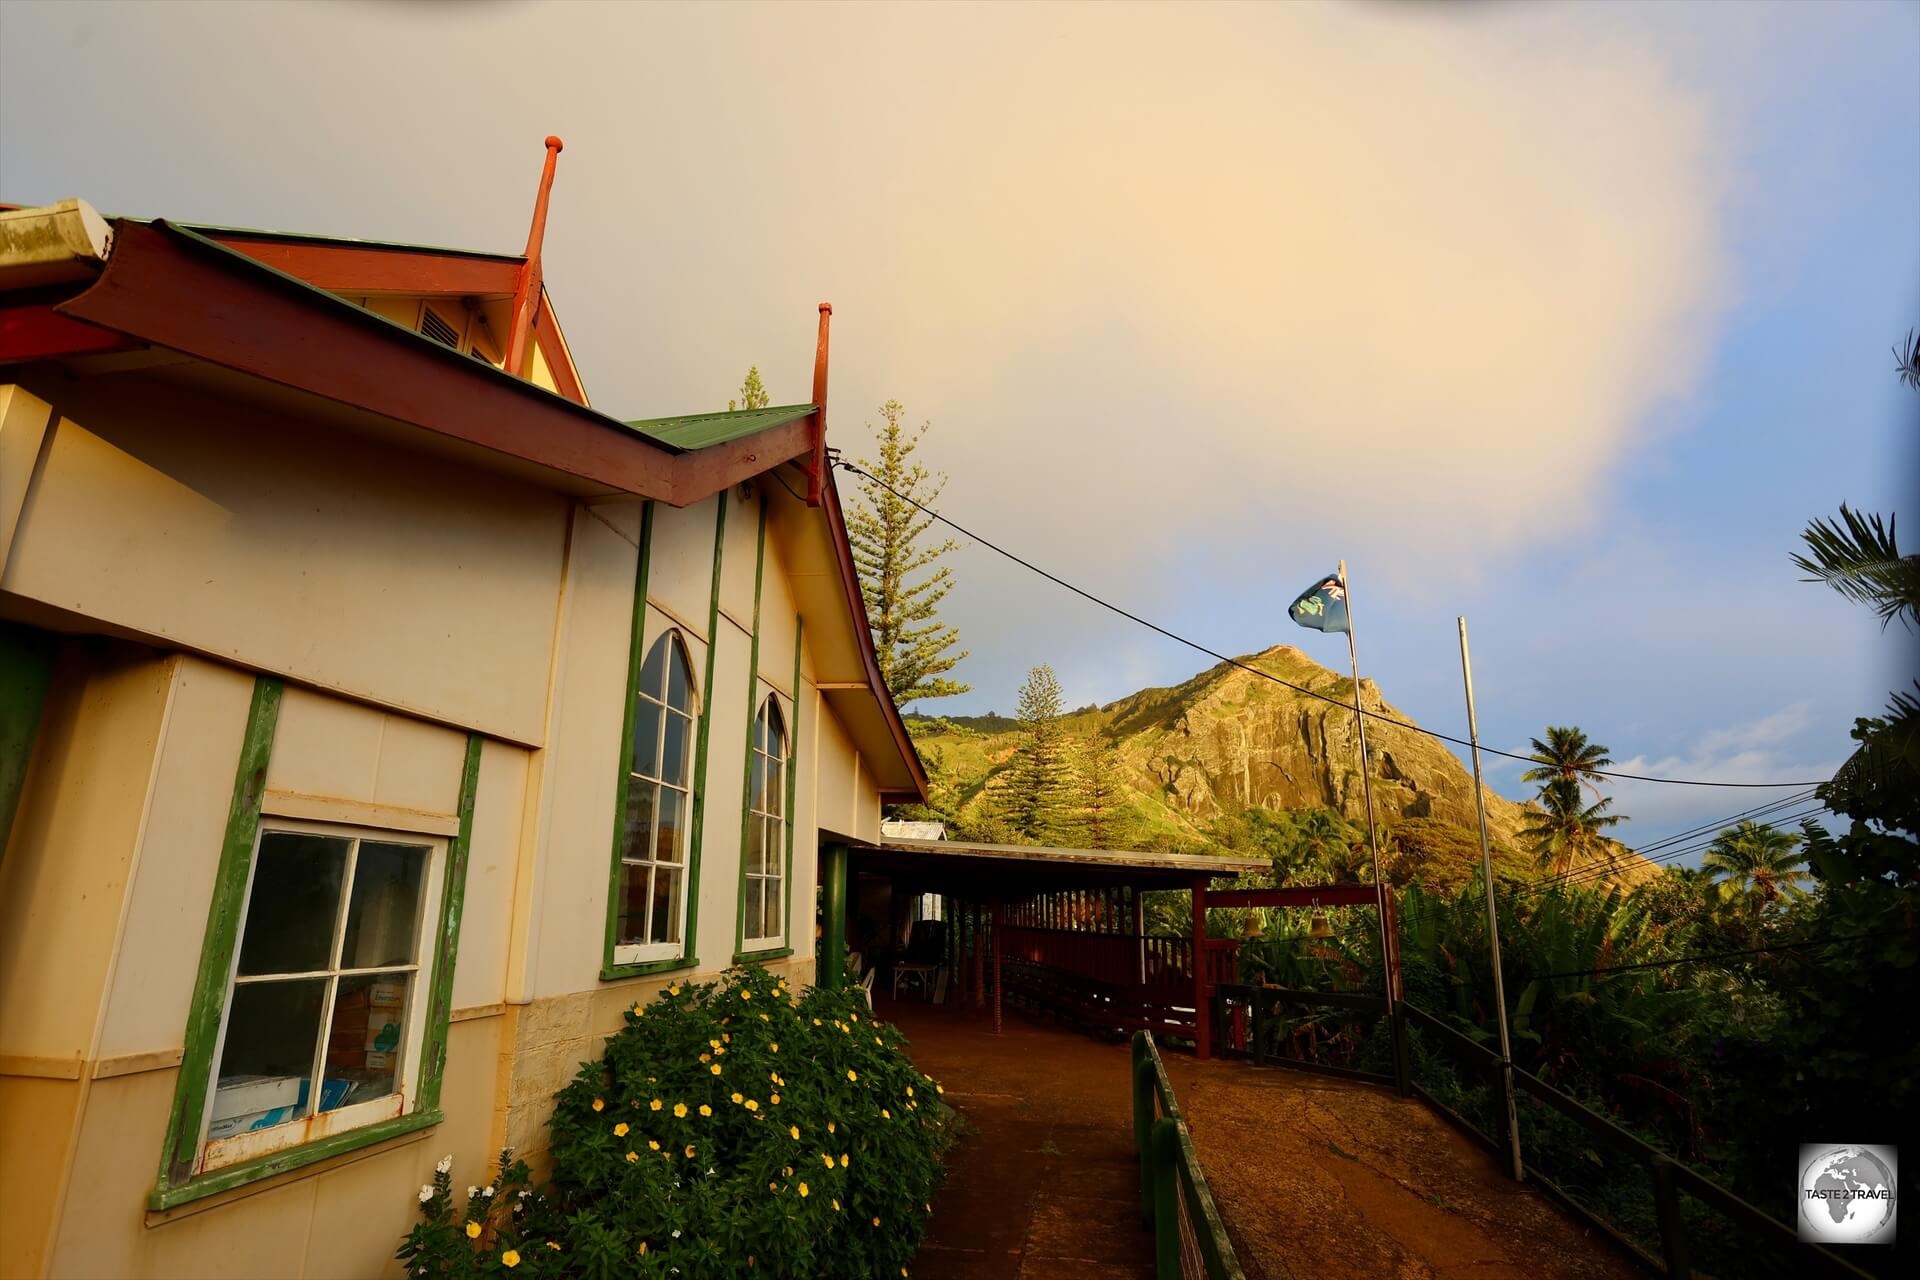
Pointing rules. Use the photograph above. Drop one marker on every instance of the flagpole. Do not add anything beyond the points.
(1366, 783)
(1493, 915)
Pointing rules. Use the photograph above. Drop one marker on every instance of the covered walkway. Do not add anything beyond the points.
(1315, 1177)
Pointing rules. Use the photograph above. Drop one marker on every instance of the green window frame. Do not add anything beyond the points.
(181, 1177)
(612, 968)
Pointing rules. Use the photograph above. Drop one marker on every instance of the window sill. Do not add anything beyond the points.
(611, 972)
(761, 957)
(207, 1184)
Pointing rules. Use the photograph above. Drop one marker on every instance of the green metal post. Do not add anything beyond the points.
(833, 941)
(1166, 1207)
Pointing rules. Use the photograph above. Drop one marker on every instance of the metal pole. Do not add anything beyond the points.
(1493, 915)
(1366, 784)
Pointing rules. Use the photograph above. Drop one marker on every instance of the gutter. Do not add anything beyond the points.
(56, 244)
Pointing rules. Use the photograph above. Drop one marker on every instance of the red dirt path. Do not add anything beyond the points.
(1315, 1177)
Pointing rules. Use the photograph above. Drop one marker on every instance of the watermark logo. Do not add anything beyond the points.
(1848, 1194)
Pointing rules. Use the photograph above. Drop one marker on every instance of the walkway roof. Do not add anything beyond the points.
(1010, 869)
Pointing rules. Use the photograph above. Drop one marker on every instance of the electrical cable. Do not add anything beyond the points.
(1195, 645)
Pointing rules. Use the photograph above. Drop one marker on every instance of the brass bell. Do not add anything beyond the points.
(1253, 927)
(1320, 928)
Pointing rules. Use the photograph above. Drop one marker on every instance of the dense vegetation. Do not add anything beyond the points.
(729, 1130)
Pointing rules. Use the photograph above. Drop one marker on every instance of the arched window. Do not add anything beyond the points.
(653, 848)
(764, 870)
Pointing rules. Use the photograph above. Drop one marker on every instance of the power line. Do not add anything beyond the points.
(1718, 955)
(1195, 645)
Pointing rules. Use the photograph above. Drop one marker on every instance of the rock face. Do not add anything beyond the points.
(1227, 740)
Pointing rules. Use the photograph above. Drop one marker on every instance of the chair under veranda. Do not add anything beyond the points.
(925, 957)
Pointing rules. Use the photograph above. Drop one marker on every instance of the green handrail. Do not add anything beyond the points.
(1170, 1179)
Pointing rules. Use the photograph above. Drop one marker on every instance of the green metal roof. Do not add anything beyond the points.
(704, 430)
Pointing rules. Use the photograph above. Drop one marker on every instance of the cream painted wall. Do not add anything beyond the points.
(680, 569)
(737, 568)
(24, 418)
(573, 852)
(480, 969)
(73, 844)
(277, 544)
(835, 770)
(726, 781)
(343, 1218)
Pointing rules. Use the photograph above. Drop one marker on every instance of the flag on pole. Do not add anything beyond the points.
(1323, 606)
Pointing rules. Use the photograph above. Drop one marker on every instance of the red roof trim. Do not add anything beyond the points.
(850, 580)
(348, 268)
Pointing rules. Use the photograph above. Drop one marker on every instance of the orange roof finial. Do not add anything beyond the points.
(816, 470)
(526, 296)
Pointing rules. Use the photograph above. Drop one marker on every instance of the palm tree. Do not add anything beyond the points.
(1759, 859)
(1566, 754)
(1568, 826)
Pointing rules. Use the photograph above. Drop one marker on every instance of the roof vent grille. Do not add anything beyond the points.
(433, 326)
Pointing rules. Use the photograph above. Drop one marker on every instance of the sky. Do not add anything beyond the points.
(1564, 318)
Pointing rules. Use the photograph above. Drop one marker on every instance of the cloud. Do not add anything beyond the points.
(1770, 748)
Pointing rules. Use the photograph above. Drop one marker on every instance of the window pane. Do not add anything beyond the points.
(666, 834)
(635, 886)
(294, 904)
(666, 906)
(776, 846)
(646, 737)
(272, 1031)
(777, 788)
(365, 1042)
(776, 730)
(384, 912)
(653, 671)
(673, 754)
(636, 829)
(679, 694)
(753, 855)
(751, 910)
(757, 785)
(760, 731)
(775, 894)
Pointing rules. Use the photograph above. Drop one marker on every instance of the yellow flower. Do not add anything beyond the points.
(787, 1172)
(705, 1110)
(765, 1018)
(876, 1222)
(836, 1206)
(939, 1089)
(885, 1114)
(816, 1022)
(598, 1104)
(774, 1047)
(510, 1259)
(653, 1144)
(715, 1068)
(876, 1039)
(620, 1130)
(774, 1099)
(555, 1244)
(843, 1159)
(852, 1074)
(706, 1057)
(736, 1099)
(830, 1126)
(826, 1159)
(803, 1191)
(746, 995)
(638, 1012)
(690, 1151)
(680, 1110)
(726, 1037)
(751, 1105)
(643, 1248)
(632, 1156)
(854, 1016)
(674, 990)
(714, 1043)
(722, 1049)
(655, 1104)
(909, 1091)
(473, 1231)
(795, 1131)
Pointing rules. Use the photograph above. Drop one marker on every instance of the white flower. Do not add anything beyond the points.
(524, 1193)
(426, 1192)
(676, 1233)
(445, 1165)
(487, 1190)
(472, 1191)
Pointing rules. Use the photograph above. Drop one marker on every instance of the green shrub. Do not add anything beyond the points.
(728, 1131)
